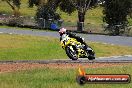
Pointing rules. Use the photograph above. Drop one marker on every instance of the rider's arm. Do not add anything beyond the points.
(70, 34)
(80, 39)
(60, 38)
(73, 35)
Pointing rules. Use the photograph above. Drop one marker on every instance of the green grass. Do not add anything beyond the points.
(15, 47)
(59, 78)
(110, 50)
(22, 47)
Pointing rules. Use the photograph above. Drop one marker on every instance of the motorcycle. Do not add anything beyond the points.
(75, 49)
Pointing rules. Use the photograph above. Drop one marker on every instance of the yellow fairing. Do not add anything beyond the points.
(70, 41)
(73, 42)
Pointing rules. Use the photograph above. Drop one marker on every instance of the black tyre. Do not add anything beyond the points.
(91, 54)
(70, 53)
(91, 57)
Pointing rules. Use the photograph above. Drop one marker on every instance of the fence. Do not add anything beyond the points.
(30, 22)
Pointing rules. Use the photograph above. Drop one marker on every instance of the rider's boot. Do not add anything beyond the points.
(89, 50)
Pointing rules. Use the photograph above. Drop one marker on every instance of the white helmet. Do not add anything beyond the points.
(62, 31)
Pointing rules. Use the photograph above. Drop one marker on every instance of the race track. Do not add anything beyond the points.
(114, 59)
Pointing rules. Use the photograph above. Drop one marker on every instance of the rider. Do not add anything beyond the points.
(79, 39)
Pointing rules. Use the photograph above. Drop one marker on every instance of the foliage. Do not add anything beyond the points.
(47, 12)
(66, 6)
(16, 3)
(33, 2)
(116, 12)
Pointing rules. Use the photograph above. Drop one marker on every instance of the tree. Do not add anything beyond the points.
(47, 12)
(82, 6)
(66, 6)
(15, 6)
(116, 12)
(37, 2)
(130, 10)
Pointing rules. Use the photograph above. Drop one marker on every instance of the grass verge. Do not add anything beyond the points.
(59, 78)
(23, 47)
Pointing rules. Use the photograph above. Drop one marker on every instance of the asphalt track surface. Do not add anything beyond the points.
(114, 59)
(115, 40)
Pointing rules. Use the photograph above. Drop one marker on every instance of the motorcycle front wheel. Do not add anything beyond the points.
(71, 52)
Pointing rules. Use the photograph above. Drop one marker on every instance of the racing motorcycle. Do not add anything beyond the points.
(75, 49)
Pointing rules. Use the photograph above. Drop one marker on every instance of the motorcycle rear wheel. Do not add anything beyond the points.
(72, 55)
(91, 57)
(91, 54)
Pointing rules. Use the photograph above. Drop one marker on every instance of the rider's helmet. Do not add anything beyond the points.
(62, 31)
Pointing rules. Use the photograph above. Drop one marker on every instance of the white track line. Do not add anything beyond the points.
(104, 43)
(116, 56)
(6, 33)
(128, 55)
(10, 33)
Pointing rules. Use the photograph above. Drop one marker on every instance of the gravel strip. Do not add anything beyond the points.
(12, 67)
